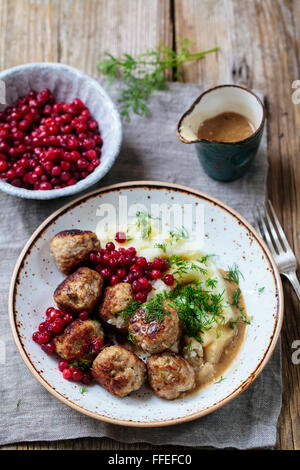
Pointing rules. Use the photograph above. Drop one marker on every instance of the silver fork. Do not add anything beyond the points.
(273, 234)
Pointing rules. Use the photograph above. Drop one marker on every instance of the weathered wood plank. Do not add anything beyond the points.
(78, 32)
(259, 44)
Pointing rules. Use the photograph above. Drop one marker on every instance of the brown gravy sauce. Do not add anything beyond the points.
(226, 127)
(233, 347)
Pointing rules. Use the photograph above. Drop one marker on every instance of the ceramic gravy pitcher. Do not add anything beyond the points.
(224, 161)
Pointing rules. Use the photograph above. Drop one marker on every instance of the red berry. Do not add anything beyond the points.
(97, 345)
(86, 378)
(141, 296)
(68, 318)
(48, 348)
(110, 246)
(3, 166)
(136, 286)
(49, 310)
(169, 279)
(158, 263)
(58, 325)
(156, 274)
(120, 237)
(106, 273)
(77, 375)
(114, 280)
(141, 262)
(144, 283)
(62, 365)
(54, 314)
(67, 374)
(84, 315)
(121, 273)
(43, 338)
(36, 336)
(93, 258)
(131, 251)
(43, 327)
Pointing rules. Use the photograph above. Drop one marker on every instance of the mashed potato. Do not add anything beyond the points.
(199, 268)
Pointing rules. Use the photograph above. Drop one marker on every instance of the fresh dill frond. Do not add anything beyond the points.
(131, 338)
(236, 297)
(198, 309)
(184, 266)
(162, 246)
(220, 380)
(131, 308)
(18, 405)
(83, 390)
(144, 223)
(204, 259)
(211, 283)
(146, 73)
(179, 233)
(233, 274)
(155, 309)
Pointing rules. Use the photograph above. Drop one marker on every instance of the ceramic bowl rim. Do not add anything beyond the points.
(100, 171)
(205, 141)
(163, 186)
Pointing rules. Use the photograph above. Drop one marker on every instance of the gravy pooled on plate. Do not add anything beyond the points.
(226, 127)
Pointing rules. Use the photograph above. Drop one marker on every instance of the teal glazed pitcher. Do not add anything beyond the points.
(224, 161)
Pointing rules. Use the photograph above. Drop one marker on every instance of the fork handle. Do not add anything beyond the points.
(294, 281)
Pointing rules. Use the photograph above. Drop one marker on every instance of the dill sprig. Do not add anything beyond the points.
(233, 274)
(236, 297)
(131, 308)
(183, 266)
(146, 73)
(155, 309)
(162, 246)
(198, 309)
(179, 233)
(144, 223)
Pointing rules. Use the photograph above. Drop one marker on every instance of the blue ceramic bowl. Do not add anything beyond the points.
(67, 83)
(224, 161)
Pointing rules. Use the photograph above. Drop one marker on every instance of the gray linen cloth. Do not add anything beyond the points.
(150, 151)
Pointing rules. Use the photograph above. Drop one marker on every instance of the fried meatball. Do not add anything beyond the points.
(154, 336)
(74, 342)
(170, 375)
(79, 291)
(71, 249)
(115, 300)
(119, 371)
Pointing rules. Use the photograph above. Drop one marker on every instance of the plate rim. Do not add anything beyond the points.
(160, 423)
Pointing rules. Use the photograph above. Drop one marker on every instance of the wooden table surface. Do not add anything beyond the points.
(259, 47)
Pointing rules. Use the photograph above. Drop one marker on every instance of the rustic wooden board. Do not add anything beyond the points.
(259, 43)
(259, 47)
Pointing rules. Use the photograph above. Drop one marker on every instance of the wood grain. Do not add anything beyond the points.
(259, 43)
(78, 32)
(259, 47)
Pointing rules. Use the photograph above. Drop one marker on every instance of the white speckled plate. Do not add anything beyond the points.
(227, 234)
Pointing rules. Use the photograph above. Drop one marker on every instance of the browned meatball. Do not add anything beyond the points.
(71, 249)
(79, 291)
(115, 300)
(170, 375)
(154, 336)
(74, 342)
(119, 371)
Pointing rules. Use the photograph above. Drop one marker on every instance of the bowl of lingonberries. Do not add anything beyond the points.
(60, 132)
